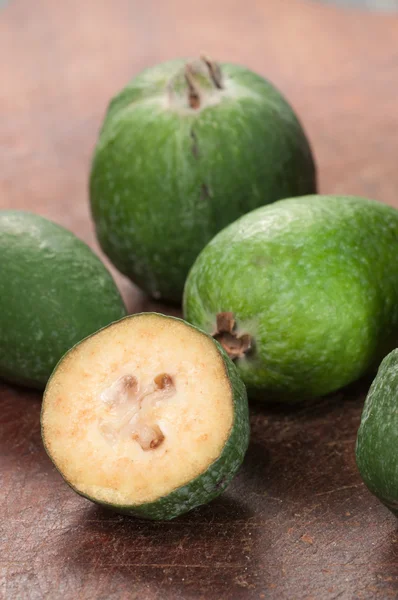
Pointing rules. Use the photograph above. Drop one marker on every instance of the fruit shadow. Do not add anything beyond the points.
(147, 304)
(137, 301)
(19, 421)
(304, 451)
(18, 392)
(353, 393)
(387, 556)
(204, 547)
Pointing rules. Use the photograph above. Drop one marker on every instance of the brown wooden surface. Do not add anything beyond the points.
(297, 522)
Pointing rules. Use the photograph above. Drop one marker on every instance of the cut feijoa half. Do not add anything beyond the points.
(147, 416)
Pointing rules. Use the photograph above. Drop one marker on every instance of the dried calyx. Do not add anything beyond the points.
(131, 410)
(214, 71)
(235, 345)
(193, 73)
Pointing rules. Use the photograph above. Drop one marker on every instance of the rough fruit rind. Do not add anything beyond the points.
(377, 440)
(54, 291)
(166, 177)
(217, 477)
(313, 282)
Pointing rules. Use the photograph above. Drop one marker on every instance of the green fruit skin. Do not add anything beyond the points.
(165, 180)
(220, 473)
(54, 291)
(314, 281)
(377, 441)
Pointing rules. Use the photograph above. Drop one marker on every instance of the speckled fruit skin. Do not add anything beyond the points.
(377, 441)
(54, 291)
(166, 177)
(212, 482)
(314, 282)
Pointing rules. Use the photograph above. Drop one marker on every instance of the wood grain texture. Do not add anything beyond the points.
(297, 523)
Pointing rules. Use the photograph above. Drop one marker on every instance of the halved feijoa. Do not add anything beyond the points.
(147, 416)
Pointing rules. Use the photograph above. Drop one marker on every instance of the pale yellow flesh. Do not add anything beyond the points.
(102, 446)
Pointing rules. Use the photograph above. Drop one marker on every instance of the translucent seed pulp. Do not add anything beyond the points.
(131, 410)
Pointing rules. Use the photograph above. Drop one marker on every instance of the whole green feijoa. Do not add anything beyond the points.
(147, 416)
(377, 440)
(186, 148)
(54, 291)
(303, 294)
